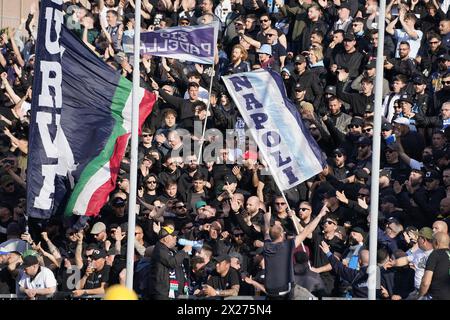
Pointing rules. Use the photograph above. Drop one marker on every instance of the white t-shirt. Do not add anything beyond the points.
(401, 35)
(419, 259)
(43, 280)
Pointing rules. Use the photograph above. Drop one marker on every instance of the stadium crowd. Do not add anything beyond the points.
(249, 239)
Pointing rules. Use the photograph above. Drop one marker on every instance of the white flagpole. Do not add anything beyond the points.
(374, 188)
(134, 148)
(206, 119)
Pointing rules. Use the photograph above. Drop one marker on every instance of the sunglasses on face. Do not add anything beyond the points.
(151, 182)
(362, 195)
(338, 155)
(145, 135)
(280, 203)
(446, 82)
(354, 126)
(263, 20)
(367, 130)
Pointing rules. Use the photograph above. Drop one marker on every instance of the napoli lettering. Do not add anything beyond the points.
(270, 138)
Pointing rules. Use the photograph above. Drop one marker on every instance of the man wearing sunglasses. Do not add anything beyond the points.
(338, 164)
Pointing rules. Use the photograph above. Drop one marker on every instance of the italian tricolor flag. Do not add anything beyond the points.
(99, 176)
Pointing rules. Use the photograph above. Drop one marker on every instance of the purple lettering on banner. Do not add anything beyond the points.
(194, 43)
(240, 82)
(271, 139)
(258, 119)
(279, 159)
(290, 175)
(251, 102)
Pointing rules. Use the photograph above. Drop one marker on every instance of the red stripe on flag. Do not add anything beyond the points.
(100, 196)
(146, 107)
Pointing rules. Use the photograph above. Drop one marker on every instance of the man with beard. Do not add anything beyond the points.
(250, 219)
(335, 115)
(364, 154)
(428, 58)
(403, 64)
(166, 273)
(340, 171)
(191, 167)
(404, 191)
(356, 243)
(347, 141)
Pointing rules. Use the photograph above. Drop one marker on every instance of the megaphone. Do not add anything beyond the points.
(196, 244)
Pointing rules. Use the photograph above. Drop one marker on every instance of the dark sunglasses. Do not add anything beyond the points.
(446, 82)
(280, 203)
(9, 185)
(338, 155)
(367, 130)
(263, 20)
(151, 182)
(362, 195)
(146, 135)
(351, 126)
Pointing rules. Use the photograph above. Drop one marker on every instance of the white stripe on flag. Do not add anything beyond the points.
(104, 174)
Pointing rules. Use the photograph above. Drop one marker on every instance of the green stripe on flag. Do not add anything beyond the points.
(118, 103)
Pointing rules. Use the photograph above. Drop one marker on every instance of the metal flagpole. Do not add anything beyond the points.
(206, 119)
(134, 148)
(374, 188)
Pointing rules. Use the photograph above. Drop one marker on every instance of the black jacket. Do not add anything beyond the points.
(359, 102)
(165, 261)
(357, 278)
(312, 83)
